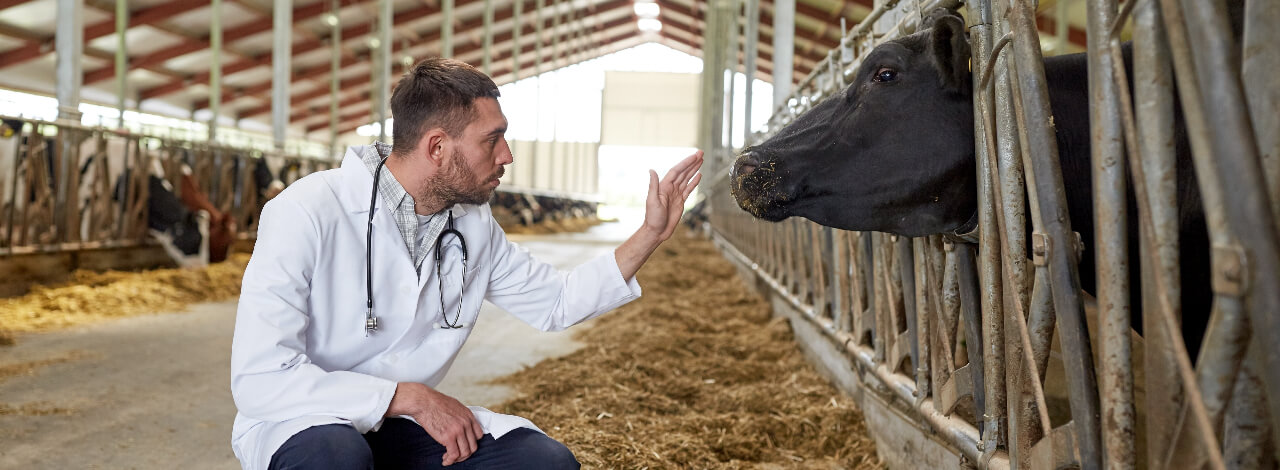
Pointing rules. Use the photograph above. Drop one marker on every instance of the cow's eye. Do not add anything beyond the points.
(885, 74)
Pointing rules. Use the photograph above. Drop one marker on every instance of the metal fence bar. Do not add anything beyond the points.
(1057, 234)
(1236, 156)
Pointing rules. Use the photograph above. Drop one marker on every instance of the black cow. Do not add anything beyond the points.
(894, 152)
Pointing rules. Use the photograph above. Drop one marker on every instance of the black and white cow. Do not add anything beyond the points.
(894, 152)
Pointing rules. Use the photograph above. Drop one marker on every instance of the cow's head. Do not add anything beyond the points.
(893, 152)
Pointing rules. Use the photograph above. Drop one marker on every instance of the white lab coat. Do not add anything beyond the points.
(300, 357)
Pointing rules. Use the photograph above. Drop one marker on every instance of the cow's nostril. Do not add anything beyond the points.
(746, 164)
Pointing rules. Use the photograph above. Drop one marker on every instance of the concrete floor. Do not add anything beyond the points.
(153, 391)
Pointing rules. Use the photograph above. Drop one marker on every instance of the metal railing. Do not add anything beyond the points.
(68, 187)
(941, 322)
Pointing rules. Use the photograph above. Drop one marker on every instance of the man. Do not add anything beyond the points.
(334, 360)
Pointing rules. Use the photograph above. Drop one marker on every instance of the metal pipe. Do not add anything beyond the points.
(1259, 64)
(215, 68)
(1153, 96)
(69, 44)
(1235, 154)
(1111, 241)
(1082, 385)
(383, 71)
(731, 64)
(487, 59)
(539, 7)
(784, 38)
(517, 7)
(122, 58)
(446, 28)
(992, 345)
(281, 57)
(335, 64)
(752, 38)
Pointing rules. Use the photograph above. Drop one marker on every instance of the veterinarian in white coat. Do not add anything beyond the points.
(302, 362)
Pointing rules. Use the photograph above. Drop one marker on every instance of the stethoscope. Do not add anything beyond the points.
(370, 321)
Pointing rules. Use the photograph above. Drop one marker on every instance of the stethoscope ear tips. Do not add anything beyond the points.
(444, 326)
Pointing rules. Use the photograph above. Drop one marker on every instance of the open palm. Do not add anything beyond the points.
(666, 198)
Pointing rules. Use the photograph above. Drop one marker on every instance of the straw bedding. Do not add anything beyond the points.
(91, 297)
(696, 374)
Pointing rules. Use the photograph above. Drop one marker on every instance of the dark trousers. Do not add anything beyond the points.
(402, 444)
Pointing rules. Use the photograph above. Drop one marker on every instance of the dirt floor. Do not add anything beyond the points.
(694, 375)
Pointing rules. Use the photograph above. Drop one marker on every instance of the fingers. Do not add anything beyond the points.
(653, 185)
(693, 183)
(466, 446)
(450, 452)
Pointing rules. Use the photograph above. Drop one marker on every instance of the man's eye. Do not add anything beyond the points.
(885, 74)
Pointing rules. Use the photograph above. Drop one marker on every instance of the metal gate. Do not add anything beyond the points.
(959, 338)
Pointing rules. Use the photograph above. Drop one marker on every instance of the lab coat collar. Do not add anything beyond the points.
(360, 184)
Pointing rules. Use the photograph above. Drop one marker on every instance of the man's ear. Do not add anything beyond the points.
(433, 144)
(949, 49)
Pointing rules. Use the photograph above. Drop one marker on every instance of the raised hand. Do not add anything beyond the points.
(666, 198)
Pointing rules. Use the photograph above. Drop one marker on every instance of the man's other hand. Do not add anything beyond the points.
(445, 419)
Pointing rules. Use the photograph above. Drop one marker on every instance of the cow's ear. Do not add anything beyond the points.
(949, 48)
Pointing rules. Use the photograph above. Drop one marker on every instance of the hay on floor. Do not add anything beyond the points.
(91, 297)
(549, 226)
(696, 374)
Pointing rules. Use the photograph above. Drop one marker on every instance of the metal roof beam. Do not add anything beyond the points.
(259, 25)
(141, 17)
(501, 42)
(362, 116)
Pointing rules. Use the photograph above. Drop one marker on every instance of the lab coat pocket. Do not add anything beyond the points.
(466, 291)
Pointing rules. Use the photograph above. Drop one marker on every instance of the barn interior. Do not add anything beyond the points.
(761, 339)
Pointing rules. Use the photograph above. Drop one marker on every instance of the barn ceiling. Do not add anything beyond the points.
(169, 51)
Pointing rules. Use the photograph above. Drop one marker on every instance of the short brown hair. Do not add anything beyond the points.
(437, 92)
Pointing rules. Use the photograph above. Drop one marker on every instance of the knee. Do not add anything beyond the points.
(548, 453)
(335, 446)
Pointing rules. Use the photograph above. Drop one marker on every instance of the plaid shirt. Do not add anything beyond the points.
(402, 206)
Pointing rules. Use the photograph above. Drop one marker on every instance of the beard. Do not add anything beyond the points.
(457, 185)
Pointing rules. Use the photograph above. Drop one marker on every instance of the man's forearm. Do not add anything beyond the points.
(632, 253)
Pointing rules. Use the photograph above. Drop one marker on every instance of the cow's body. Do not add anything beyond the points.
(895, 153)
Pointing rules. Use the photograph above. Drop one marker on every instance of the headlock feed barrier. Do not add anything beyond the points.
(75, 196)
(980, 349)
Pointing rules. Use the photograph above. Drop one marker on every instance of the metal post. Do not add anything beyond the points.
(69, 41)
(516, 26)
(539, 7)
(555, 94)
(215, 67)
(1051, 197)
(731, 64)
(752, 36)
(281, 56)
(784, 43)
(70, 45)
(992, 317)
(122, 58)
(446, 29)
(1235, 155)
(335, 63)
(1111, 241)
(487, 60)
(385, 13)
